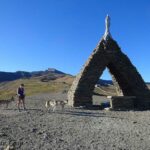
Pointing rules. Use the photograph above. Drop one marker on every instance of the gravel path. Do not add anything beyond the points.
(72, 129)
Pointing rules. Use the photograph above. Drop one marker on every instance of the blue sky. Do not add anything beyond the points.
(61, 34)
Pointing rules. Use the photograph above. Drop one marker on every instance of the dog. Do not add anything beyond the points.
(54, 103)
(7, 102)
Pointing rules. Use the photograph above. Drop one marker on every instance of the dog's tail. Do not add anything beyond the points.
(66, 101)
(12, 98)
(46, 104)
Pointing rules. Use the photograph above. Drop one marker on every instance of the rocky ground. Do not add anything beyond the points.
(72, 129)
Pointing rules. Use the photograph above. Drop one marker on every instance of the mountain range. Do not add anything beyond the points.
(49, 74)
(44, 76)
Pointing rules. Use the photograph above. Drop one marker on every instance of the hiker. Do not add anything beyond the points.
(21, 97)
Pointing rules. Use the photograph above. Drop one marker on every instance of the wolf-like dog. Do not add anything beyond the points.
(7, 102)
(54, 103)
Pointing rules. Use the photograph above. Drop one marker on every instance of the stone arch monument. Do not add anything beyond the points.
(126, 79)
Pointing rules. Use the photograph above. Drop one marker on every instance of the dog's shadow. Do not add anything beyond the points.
(85, 114)
(76, 113)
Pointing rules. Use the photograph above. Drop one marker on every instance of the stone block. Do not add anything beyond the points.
(122, 102)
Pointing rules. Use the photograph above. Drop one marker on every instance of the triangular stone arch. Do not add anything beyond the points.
(125, 76)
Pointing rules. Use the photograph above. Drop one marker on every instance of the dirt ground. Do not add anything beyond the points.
(72, 129)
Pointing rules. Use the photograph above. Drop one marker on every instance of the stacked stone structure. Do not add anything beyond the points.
(126, 79)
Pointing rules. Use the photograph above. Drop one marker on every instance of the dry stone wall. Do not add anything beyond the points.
(126, 79)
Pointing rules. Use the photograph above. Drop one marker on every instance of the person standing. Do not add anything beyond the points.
(21, 97)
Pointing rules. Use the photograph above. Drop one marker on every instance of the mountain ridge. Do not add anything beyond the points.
(44, 76)
(49, 74)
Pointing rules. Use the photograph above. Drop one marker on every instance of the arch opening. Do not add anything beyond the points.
(103, 89)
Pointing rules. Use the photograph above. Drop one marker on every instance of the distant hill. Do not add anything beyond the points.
(49, 74)
(104, 82)
(10, 76)
(34, 85)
